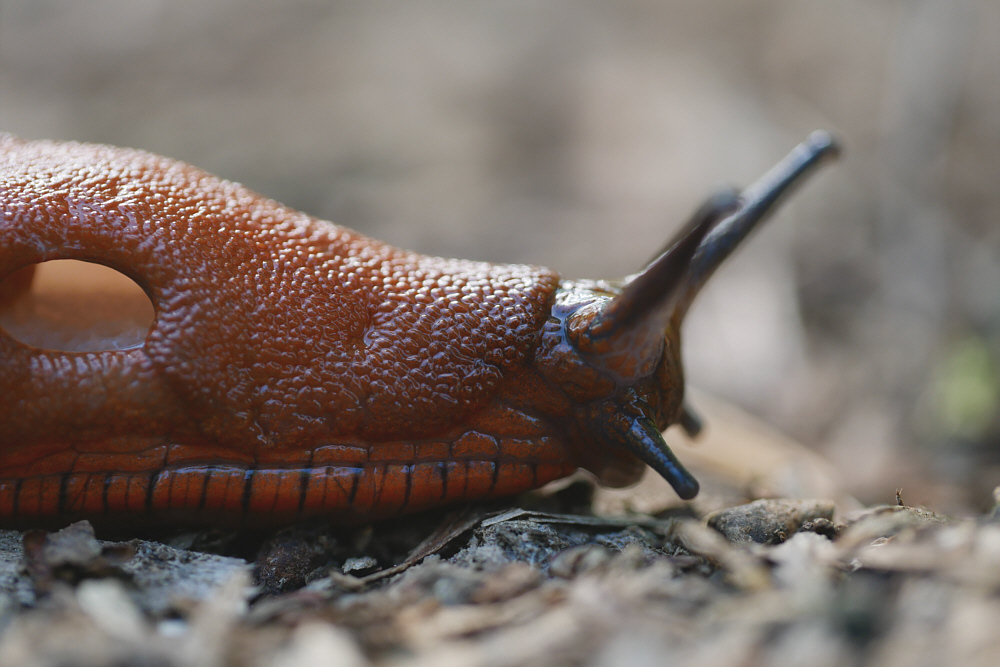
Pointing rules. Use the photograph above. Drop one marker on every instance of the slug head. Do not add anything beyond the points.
(614, 349)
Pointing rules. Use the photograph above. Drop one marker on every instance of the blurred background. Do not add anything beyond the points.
(864, 321)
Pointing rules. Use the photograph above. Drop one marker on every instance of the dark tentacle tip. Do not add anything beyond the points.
(657, 454)
(824, 143)
(690, 421)
(686, 488)
(627, 426)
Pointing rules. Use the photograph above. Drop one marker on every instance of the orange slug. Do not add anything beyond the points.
(296, 368)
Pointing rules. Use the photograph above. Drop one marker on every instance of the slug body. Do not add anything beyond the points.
(296, 368)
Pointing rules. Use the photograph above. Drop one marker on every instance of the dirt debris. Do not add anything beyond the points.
(769, 521)
(525, 587)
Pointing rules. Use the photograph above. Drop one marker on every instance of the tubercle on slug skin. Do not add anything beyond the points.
(297, 368)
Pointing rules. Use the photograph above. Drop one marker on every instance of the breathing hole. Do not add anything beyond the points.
(74, 306)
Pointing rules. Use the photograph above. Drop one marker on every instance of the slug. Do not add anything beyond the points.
(296, 368)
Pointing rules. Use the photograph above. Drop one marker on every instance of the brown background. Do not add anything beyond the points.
(864, 321)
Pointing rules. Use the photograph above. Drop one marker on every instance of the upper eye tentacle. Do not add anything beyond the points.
(756, 203)
(625, 337)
